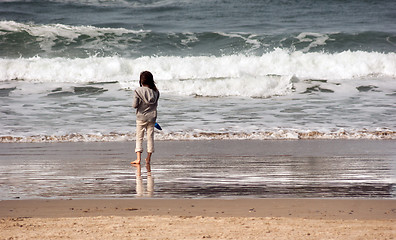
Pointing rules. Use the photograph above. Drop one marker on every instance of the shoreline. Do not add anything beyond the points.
(279, 135)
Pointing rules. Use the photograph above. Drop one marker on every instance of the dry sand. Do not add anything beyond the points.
(173, 227)
(198, 219)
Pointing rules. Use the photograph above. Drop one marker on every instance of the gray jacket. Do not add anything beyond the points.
(146, 101)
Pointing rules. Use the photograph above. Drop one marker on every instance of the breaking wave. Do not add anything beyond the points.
(238, 75)
(59, 40)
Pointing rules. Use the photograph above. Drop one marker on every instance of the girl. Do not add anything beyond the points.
(145, 101)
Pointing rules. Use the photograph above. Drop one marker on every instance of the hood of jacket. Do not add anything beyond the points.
(147, 95)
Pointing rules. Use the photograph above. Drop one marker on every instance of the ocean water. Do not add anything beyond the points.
(225, 69)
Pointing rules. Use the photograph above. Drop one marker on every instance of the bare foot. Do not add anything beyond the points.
(136, 162)
(138, 157)
(148, 158)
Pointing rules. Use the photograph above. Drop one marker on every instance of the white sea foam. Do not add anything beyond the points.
(190, 38)
(124, 3)
(279, 134)
(318, 40)
(250, 39)
(67, 31)
(47, 34)
(235, 75)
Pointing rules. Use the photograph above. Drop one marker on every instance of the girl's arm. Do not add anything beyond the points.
(136, 101)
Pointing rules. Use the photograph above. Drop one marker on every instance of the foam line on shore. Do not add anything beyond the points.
(281, 134)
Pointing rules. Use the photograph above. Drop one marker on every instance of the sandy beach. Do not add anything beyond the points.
(199, 189)
(198, 219)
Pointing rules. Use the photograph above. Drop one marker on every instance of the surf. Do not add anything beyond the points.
(271, 74)
(28, 40)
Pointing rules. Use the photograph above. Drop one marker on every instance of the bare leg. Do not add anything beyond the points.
(138, 158)
(148, 158)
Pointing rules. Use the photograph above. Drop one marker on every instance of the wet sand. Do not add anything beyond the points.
(201, 169)
(199, 189)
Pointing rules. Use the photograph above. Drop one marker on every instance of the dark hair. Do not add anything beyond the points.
(146, 78)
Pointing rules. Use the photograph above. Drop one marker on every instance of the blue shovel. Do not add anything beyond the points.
(157, 126)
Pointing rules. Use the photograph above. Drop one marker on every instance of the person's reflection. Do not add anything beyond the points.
(140, 192)
(150, 181)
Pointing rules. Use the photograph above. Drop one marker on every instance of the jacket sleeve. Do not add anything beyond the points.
(136, 101)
